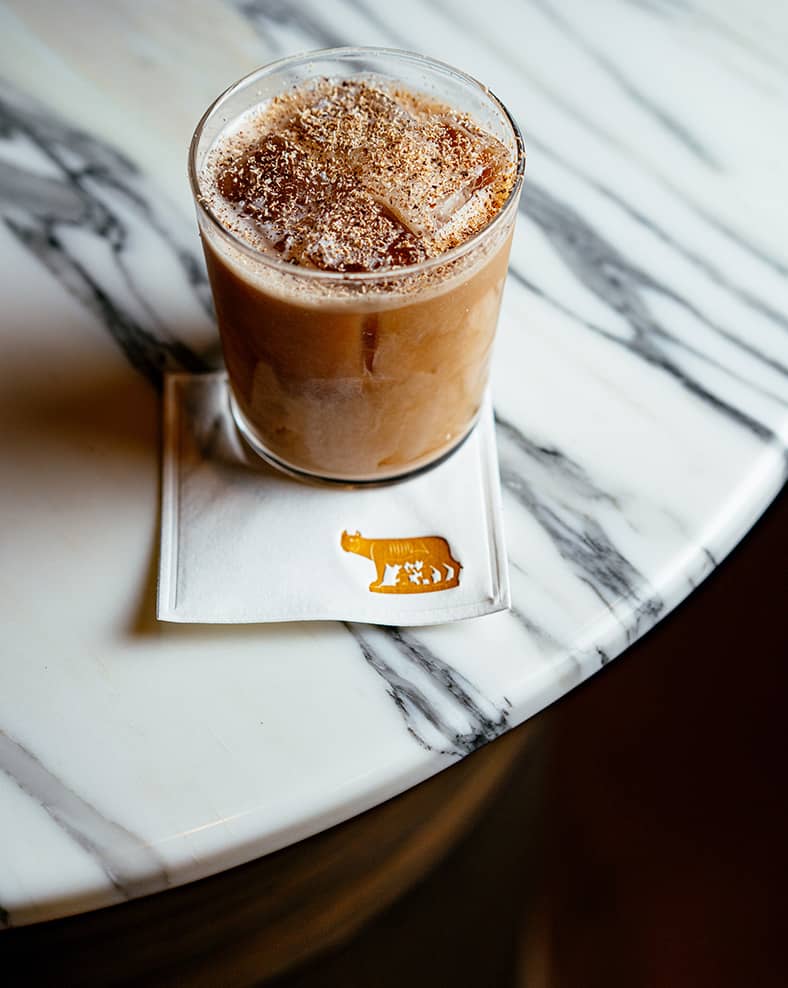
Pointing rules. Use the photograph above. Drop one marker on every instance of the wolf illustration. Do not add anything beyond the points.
(418, 565)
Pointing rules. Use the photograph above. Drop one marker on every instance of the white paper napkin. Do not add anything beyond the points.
(242, 543)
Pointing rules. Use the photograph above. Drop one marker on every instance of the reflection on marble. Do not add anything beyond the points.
(641, 400)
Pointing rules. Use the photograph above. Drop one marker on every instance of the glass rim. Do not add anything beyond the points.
(387, 274)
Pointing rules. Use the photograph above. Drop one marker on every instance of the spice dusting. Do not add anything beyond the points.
(349, 176)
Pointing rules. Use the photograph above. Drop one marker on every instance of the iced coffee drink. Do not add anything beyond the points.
(356, 210)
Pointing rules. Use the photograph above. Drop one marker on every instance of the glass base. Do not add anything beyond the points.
(254, 443)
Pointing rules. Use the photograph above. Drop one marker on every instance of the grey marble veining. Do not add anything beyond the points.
(623, 287)
(532, 474)
(131, 866)
(67, 181)
(442, 709)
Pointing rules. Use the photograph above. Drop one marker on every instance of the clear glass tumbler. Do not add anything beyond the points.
(357, 377)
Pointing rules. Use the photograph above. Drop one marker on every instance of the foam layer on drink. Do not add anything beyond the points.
(351, 176)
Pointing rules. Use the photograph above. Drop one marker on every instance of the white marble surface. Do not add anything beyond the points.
(640, 385)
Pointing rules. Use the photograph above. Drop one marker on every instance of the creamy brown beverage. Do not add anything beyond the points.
(356, 330)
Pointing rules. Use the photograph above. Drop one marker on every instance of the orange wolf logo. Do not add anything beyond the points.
(420, 565)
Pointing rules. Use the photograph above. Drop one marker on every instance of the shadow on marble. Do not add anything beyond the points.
(112, 413)
(145, 625)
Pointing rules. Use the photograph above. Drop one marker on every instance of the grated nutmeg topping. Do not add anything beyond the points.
(349, 176)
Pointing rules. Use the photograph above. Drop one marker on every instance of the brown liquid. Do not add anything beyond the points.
(357, 381)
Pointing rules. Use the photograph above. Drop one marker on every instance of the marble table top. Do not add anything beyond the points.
(640, 385)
